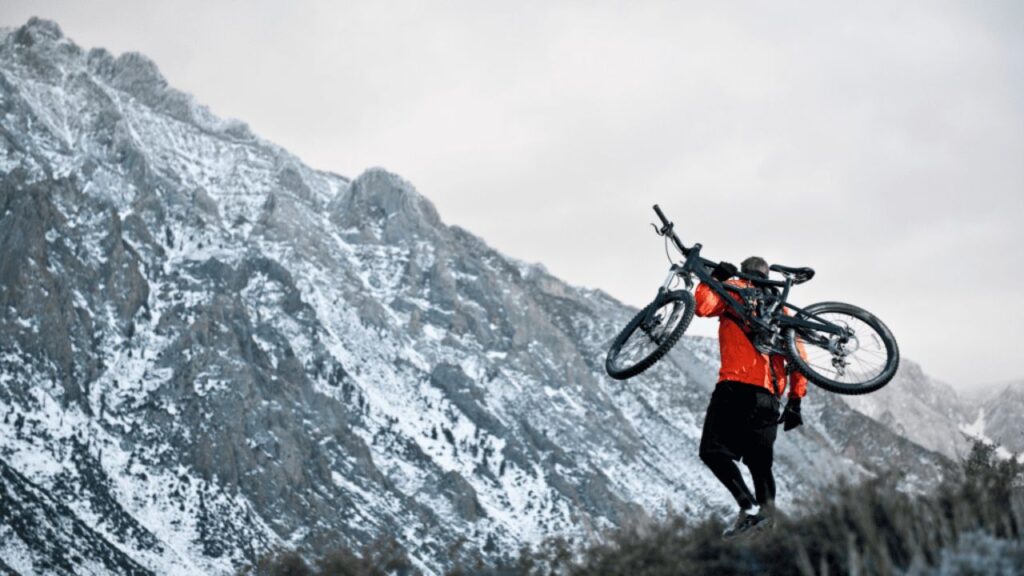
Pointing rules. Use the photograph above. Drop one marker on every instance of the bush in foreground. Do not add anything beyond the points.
(385, 557)
(970, 525)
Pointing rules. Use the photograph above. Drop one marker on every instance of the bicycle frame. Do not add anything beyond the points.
(774, 321)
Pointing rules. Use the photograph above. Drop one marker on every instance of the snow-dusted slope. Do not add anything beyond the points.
(915, 405)
(996, 416)
(208, 349)
(934, 415)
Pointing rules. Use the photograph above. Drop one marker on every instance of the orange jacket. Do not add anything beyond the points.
(741, 362)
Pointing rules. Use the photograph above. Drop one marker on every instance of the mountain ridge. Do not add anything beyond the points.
(205, 340)
(934, 415)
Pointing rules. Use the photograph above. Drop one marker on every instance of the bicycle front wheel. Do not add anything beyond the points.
(650, 335)
(862, 359)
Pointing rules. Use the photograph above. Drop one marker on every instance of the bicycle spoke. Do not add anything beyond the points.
(864, 356)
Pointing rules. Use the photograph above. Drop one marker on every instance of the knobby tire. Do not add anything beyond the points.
(849, 388)
(683, 296)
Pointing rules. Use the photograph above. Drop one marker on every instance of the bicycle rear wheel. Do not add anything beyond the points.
(642, 343)
(862, 360)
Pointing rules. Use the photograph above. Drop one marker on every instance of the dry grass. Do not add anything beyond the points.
(869, 528)
(385, 557)
(971, 525)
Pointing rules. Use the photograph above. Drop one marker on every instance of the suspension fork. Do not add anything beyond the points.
(673, 271)
(668, 281)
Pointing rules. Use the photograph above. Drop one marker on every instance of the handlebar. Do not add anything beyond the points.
(661, 215)
(666, 228)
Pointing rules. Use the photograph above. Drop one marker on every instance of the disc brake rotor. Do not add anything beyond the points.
(653, 328)
(657, 330)
(842, 346)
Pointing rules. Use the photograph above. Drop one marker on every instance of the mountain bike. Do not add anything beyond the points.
(839, 347)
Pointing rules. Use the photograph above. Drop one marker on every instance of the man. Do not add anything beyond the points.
(741, 421)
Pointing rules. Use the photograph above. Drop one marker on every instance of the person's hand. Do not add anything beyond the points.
(791, 415)
(723, 271)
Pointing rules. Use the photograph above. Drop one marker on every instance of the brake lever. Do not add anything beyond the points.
(656, 229)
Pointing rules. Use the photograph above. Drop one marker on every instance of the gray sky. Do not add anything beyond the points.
(881, 143)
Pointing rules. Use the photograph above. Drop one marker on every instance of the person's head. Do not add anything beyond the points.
(754, 266)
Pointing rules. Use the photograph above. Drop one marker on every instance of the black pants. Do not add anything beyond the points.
(741, 424)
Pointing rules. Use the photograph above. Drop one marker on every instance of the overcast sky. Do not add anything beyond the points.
(881, 143)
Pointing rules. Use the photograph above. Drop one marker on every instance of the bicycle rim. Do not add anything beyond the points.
(861, 360)
(643, 342)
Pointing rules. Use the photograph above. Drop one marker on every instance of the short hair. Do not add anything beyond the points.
(754, 266)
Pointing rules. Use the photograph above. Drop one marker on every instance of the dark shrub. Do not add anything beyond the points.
(870, 528)
(971, 524)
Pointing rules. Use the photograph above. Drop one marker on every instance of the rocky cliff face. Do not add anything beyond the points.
(208, 350)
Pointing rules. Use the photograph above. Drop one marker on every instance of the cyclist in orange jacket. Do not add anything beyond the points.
(742, 417)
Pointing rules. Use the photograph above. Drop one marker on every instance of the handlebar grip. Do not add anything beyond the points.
(667, 230)
(661, 215)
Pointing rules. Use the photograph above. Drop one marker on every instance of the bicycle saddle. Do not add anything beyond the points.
(799, 275)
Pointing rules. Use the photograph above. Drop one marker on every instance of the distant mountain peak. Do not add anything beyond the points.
(40, 47)
(37, 30)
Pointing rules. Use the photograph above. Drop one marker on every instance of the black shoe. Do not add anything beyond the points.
(738, 526)
(746, 524)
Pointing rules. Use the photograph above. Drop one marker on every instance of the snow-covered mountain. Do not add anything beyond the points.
(209, 350)
(934, 415)
(996, 414)
(920, 408)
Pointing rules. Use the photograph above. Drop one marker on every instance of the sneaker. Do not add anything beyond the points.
(747, 523)
(737, 526)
